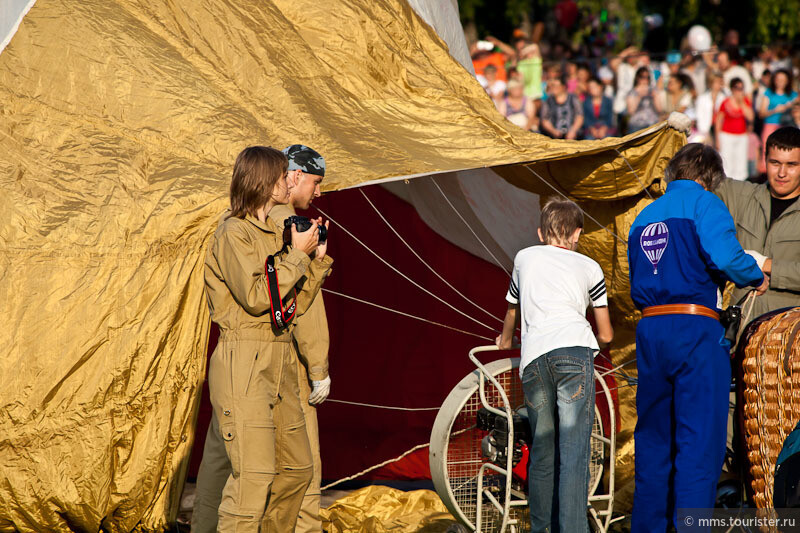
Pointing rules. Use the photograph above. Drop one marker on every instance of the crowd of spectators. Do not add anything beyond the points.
(736, 96)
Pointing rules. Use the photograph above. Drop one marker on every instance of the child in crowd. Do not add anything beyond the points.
(518, 108)
(530, 66)
(551, 288)
(492, 84)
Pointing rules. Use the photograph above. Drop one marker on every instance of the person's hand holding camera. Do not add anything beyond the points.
(322, 247)
(307, 240)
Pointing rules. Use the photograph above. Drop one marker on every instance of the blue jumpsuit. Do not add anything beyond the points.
(681, 249)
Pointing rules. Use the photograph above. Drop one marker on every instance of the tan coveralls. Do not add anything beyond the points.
(253, 378)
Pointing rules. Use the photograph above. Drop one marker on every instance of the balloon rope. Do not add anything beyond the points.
(590, 217)
(359, 300)
(385, 262)
(634, 173)
(389, 407)
(379, 465)
(497, 261)
(421, 260)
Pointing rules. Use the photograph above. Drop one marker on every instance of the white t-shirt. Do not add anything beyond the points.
(554, 287)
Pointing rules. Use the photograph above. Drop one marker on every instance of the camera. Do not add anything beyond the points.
(302, 224)
(731, 319)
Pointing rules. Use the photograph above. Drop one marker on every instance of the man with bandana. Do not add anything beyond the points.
(311, 341)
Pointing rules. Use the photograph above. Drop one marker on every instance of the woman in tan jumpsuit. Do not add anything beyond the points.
(253, 373)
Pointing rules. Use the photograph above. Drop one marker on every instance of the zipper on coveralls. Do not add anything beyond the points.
(280, 378)
(250, 374)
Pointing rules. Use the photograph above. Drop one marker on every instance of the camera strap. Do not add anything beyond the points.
(281, 315)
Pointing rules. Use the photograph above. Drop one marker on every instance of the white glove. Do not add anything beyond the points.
(320, 391)
(758, 257)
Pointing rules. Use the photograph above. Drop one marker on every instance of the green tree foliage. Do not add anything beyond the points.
(517, 10)
(776, 19)
(624, 10)
(758, 21)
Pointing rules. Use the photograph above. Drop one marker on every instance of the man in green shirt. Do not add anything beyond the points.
(767, 218)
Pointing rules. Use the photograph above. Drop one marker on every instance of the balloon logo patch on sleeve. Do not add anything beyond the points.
(653, 241)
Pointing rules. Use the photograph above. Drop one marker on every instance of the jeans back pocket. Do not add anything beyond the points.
(535, 395)
(569, 375)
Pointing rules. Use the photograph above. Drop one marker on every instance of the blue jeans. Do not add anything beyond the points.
(559, 396)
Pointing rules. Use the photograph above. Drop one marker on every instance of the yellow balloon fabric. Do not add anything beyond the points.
(378, 509)
(121, 120)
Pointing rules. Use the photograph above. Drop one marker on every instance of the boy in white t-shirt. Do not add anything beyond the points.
(551, 288)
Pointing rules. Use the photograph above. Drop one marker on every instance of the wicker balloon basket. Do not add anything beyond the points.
(770, 376)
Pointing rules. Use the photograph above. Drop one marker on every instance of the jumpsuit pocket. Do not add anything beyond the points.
(295, 450)
(535, 396)
(569, 375)
(258, 449)
(257, 443)
(228, 433)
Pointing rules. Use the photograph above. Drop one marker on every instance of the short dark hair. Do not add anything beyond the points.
(561, 78)
(490, 67)
(686, 81)
(696, 162)
(734, 81)
(560, 218)
(786, 138)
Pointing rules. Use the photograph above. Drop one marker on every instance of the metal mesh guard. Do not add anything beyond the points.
(464, 457)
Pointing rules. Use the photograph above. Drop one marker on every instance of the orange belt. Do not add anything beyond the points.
(680, 309)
